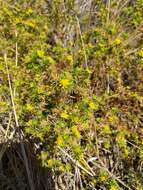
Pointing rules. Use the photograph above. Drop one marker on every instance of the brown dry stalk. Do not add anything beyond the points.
(108, 13)
(102, 166)
(75, 162)
(17, 126)
(82, 43)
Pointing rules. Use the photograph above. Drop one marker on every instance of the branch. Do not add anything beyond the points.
(75, 162)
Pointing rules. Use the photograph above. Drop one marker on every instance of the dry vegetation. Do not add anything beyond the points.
(71, 95)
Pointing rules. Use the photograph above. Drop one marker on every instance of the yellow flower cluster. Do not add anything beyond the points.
(92, 105)
(117, 41)
(64, 115)
(64, 83)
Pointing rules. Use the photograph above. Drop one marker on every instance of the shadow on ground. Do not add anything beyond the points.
(13, 174)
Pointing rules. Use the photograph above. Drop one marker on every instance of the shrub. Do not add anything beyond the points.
(76, 76)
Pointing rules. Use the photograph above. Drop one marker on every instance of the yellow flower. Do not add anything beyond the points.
(50, 163)
(61, 168)
(65, 83)
(106, 129)
(40, 89)
(113, 119)
(125, 152)
(64, 115)
(117, 41)
(49, 93)
(92, 105)
(40, 53)
(29, 11)
(18, 20)
(30, 23)
(88, 71)
(51, 60)
(113, 188)
(60, 141)
(29, 107)
(103, 178)
(140, 53)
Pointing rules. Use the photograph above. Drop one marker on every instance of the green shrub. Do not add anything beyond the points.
(77, 87)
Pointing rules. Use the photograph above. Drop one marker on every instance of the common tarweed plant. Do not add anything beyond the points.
(74, 72)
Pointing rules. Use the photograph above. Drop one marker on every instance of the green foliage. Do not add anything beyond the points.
(93, 111)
